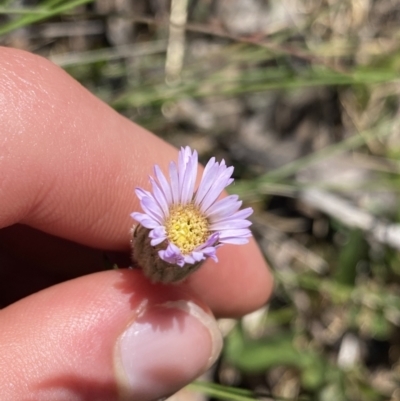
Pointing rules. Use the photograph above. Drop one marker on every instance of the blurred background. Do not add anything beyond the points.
(302, 97)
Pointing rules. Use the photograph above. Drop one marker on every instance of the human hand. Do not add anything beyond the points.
(69, 329)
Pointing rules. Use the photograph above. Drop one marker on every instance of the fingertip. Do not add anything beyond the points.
(238, 284)
(164, 348)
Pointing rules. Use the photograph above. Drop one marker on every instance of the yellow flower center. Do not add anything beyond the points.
(186, 227)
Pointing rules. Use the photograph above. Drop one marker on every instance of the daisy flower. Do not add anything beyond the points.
(185, 226)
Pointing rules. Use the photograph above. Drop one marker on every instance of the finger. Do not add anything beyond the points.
(234, 283)
(52, 260)
(72, 164)
(106, 336)
(50, 254)
(41, 260)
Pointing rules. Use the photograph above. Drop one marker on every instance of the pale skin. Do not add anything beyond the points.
(68, 167)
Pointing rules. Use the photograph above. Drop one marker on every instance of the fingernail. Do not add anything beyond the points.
(165, 348)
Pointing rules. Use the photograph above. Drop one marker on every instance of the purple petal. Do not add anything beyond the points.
(151, 208)
(141, 193)
(197, 256)
(158, 232)
(145, 220)
(235, 240)
(211, 240)
(209, 248)
(160, 197)
(139, 216)
(220, 182)
(148, 223)
(206, 180)
(240, 215)
(149, 204)
(183, 157)
(157, 241)
(158, 235)
(189, 259)
(189, 179)
(172, 255)
(223, 208)
(211, 252)
(244, 213)
(230, 224)
(234, 232)
(164, 185)
(173, 174)
(239, 233)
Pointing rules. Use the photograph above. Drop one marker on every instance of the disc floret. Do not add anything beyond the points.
(186, 227)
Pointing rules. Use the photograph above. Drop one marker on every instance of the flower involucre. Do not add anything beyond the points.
(181, 227)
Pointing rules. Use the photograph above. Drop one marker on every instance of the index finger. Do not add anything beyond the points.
(69, 164)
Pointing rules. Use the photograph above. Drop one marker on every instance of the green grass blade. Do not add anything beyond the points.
(256, 186)
(43, 13)
(223, 392)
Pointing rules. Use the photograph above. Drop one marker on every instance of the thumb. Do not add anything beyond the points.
(107, 336)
